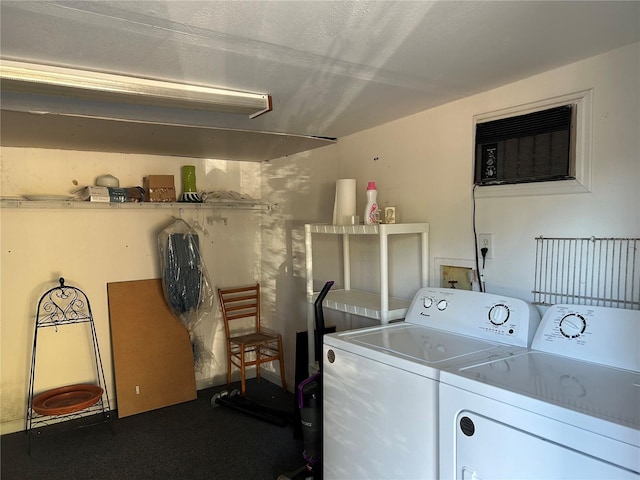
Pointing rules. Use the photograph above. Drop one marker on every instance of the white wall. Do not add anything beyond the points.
(301, 185)
(423, 165)
(91, 248)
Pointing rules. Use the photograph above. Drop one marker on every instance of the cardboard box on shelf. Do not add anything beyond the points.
(159, 188)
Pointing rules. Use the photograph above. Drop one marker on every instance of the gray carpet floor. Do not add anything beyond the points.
(191, 440)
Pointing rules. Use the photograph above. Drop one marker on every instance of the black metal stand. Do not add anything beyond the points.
(60, 306)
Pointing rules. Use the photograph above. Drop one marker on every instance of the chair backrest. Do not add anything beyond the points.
(240, 303)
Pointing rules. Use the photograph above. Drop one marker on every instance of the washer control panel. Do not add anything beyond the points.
(610, 336)
(481, 315)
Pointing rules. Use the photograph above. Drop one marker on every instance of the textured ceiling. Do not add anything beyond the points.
(333, 68)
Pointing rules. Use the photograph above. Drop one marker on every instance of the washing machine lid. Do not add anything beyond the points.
(599, 391)
(418, 349)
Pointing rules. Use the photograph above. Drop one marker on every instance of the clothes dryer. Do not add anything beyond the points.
(569, 408)
(380, 384)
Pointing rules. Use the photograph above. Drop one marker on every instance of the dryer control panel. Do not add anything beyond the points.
(481, 315)
(609, 336)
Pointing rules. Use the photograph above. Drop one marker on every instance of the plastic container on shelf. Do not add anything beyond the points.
(371, 213)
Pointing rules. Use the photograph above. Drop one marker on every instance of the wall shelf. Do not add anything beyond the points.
(73, 204)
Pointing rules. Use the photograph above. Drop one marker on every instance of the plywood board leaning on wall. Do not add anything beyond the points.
(152, 355)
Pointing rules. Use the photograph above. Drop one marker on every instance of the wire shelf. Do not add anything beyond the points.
(81, 205)
(100, 408)
(588, 271)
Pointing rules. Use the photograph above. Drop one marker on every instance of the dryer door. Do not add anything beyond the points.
(482, 438)
(485, 448)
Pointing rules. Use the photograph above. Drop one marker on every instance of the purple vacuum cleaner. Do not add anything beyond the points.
(310, 405)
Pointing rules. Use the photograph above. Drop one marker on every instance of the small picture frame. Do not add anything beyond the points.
(389, 215)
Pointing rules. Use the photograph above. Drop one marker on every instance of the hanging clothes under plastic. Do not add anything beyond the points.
(183, 272)
(185, 281)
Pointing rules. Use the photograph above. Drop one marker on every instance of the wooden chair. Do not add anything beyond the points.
(247, 343)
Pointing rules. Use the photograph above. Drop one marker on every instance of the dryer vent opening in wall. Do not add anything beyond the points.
(533, 147)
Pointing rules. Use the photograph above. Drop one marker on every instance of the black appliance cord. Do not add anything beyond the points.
(475, 238)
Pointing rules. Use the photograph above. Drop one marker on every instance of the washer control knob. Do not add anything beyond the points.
(442, 304)
(427, 302)
(499, 314)
(573, 325)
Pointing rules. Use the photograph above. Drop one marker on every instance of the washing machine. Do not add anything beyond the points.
(568, 408)
(380, 384)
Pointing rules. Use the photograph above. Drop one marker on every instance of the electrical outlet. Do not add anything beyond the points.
(485, 240)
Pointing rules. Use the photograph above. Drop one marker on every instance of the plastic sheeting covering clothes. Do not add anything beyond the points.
(185, 282)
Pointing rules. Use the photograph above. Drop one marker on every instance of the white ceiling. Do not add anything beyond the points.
(332, 68)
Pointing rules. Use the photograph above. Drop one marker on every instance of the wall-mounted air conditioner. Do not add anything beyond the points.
(538, 148)
(526, 148)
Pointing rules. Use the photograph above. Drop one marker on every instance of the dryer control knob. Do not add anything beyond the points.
(573, 325)
(499, 314)
(427, 302)
(442, 305)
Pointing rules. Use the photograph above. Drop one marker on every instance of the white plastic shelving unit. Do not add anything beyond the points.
(378, 306)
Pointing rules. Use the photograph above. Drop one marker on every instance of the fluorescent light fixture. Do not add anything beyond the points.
(49, 80)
